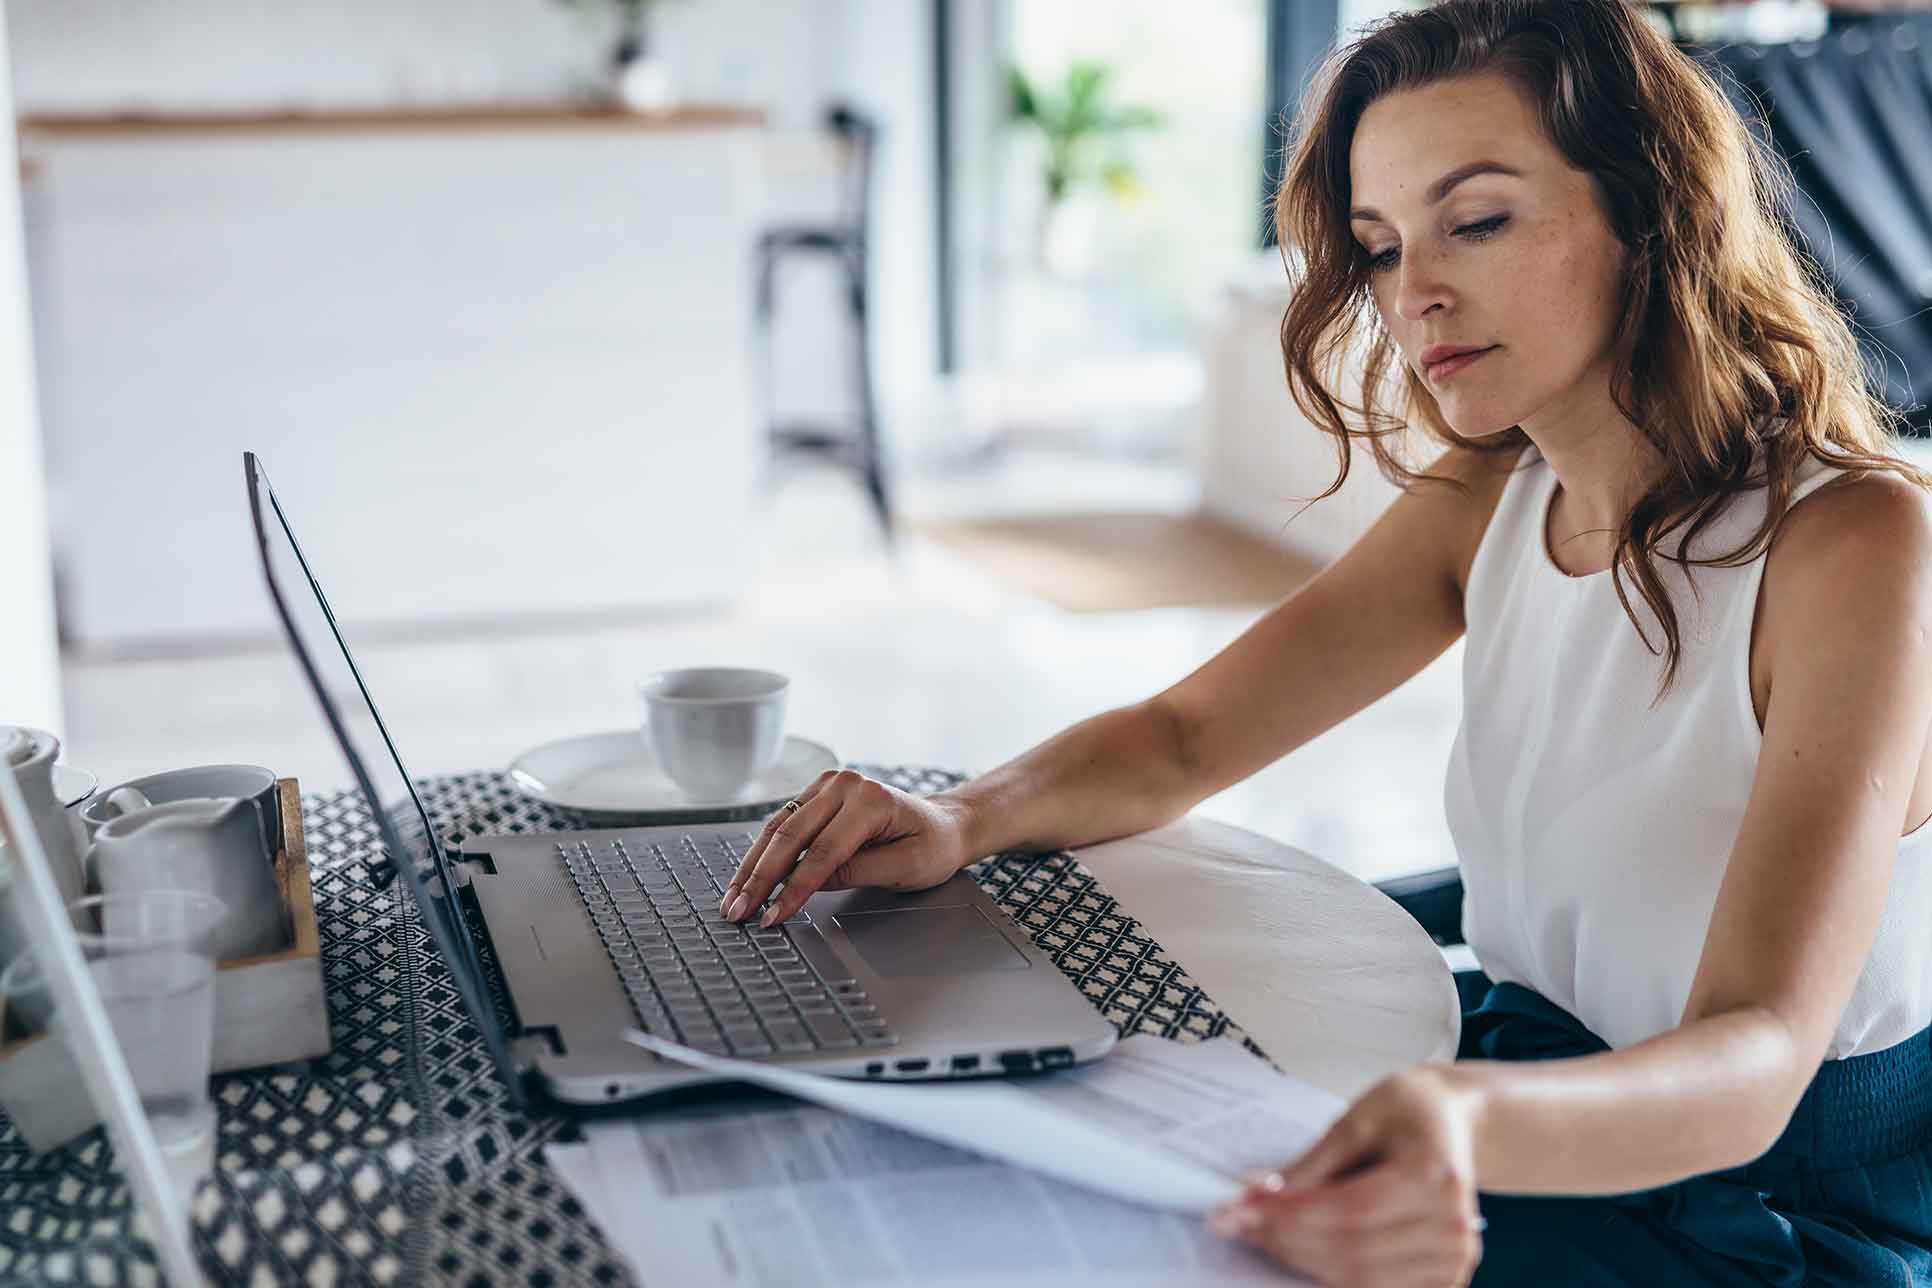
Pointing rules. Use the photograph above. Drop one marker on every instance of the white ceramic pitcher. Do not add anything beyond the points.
(29, 754)
(213, 845)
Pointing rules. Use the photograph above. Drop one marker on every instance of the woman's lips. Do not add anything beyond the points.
(1450, 366)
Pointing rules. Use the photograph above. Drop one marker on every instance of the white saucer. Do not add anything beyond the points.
(614, 778)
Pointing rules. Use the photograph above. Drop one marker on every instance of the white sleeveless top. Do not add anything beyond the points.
(1593, 830)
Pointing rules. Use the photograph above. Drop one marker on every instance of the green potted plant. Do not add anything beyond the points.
(1073, 122)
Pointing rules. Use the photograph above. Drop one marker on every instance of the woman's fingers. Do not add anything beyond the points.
(848, 830)
(1348, 1140)
(786, 835)
(1431, 1251)
(835, 843)
(1367, 1227)
(1393, 1191)
(767, 834)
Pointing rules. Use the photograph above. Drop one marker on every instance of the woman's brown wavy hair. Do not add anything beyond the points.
(1725, 326)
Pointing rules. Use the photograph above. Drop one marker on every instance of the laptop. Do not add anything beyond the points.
(594, 932)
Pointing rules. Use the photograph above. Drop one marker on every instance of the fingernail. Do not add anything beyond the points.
(1273, 1182)
(730, 897)
(738, 908)
(770, 917)
(1238, 1219)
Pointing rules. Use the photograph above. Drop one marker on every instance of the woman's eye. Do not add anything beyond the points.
(1481, 230)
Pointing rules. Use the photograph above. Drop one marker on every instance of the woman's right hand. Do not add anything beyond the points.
(851, 831)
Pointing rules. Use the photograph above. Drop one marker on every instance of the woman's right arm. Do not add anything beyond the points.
(1372, 619)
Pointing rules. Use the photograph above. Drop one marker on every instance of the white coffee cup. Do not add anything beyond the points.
(714, 728)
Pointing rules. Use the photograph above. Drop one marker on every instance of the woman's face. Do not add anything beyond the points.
(1523, 264)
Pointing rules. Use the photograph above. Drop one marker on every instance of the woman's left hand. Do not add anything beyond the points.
(1387, 1196)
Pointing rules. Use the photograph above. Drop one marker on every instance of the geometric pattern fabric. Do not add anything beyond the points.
(398, 1160)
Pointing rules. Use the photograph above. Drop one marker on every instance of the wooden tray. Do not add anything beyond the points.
(269, 1009)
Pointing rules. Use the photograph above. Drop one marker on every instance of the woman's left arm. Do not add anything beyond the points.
(1846, 622)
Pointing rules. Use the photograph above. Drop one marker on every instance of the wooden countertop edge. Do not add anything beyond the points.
(481, 116)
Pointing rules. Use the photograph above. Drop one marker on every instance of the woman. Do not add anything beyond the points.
(1696, 592)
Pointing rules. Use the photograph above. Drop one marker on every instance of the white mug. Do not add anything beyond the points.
(212, 845)
(714, 728)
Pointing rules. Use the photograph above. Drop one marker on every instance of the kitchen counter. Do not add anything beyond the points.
(495, 357)
(471, 116)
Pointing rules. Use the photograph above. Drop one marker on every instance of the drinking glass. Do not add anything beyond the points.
(151, 956)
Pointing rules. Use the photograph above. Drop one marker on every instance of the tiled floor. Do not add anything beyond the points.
(910, 656)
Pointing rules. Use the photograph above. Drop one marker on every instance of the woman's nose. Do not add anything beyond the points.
(1419, 286)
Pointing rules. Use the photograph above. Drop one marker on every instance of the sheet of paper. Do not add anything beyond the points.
(803, 1195)
(1054, 1134)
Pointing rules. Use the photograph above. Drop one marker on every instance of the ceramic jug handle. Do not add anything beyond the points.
(128, 799)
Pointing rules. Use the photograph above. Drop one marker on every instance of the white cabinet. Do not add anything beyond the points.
(494, 367)
(1259, 457)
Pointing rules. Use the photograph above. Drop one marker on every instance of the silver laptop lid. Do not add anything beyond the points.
(408, 832)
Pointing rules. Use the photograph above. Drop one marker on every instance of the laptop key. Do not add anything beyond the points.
(830, 1031)
(823, 959)
(787, 1032)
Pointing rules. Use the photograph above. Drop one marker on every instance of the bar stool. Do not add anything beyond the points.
(845, 241)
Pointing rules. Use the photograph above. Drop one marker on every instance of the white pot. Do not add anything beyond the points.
(1070, 236)
(644, 85)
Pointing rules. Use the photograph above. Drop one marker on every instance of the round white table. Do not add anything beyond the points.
(1328, 974)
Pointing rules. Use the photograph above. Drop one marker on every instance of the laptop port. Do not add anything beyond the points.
(1056, 1057)
(965, 1063)
(911, 1066)
(1017, 1061)
(874, 1069)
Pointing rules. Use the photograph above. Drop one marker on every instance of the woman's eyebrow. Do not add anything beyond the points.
(1440, 188)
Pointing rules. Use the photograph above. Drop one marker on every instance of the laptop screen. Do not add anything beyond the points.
(408, 833)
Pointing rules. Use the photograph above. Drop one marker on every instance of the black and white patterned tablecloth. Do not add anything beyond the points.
(398, 1158)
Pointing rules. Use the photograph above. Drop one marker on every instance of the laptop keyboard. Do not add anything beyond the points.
(691, 975)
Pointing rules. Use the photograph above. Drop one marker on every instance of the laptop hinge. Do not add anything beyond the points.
(460, 861)
(386, 874)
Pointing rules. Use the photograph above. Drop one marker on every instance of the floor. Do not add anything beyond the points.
(906, 655)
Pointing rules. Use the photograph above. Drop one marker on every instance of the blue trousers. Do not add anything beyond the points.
(1843, 1198)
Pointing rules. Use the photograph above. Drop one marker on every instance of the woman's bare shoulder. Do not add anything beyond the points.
(1860, 542)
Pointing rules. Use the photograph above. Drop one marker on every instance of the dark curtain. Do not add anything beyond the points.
(1852, 113)
(1300, 34)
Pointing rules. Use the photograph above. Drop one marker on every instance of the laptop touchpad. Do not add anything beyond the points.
(929, 941)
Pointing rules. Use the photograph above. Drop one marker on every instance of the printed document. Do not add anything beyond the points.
(1092, 1175)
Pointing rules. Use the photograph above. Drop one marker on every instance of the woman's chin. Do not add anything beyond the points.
(1471, 423)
